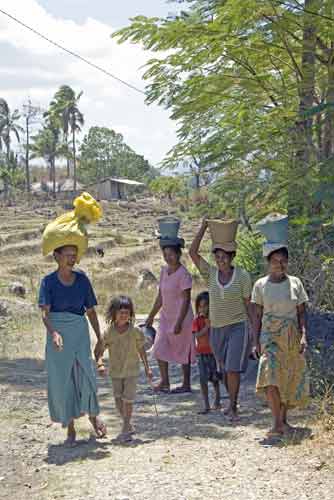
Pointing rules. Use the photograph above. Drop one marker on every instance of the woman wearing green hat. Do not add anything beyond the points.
(230, 291)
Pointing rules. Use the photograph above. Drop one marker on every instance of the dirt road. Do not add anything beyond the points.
(178, 455)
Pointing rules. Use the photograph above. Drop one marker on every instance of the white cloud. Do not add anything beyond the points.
(32, 67)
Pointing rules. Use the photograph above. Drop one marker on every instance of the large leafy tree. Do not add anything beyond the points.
(251, 85)
(104, 153)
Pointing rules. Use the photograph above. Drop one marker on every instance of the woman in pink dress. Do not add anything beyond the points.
(174, 341)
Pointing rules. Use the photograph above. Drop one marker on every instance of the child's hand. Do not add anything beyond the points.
(207, 322)
(149, 375)
(102, 370)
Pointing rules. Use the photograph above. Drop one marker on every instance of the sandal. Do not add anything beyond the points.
(181, 390)
(70, 441)
(205, 411)
(99, 427)
(161, 389)
(274, 434)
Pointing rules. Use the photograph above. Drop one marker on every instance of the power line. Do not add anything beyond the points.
(74, 54)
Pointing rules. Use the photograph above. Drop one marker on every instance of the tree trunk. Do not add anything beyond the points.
(304, 153)
(74, 162)
(329, 117)
(27, 157)
(54, 177)
(68, 163)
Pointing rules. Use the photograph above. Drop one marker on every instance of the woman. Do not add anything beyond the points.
(66, 296)
(229, 290)
(174, 342)
(280, 340)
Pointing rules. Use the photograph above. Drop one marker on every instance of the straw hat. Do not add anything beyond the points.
(223, 234)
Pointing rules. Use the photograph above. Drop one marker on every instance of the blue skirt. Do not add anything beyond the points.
(72, 389)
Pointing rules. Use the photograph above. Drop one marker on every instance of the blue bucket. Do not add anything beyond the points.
(169, 227)
(274, 228)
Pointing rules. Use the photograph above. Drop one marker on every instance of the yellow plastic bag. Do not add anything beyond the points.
(70, 228)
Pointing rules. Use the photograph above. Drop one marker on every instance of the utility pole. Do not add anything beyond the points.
(30, 113)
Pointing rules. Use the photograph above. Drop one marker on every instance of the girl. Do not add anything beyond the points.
(125, 343)
(280, 340)
(174, 342)
(205, 358)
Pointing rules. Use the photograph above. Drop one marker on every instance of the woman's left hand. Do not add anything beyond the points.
(177, 328)
(303, 344)
(99, 349)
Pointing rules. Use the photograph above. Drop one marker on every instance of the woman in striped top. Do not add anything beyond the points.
(230, 291)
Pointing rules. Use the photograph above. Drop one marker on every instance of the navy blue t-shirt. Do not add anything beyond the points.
(75, 299)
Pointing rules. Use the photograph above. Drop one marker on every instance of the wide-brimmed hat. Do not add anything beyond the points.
(223, 234)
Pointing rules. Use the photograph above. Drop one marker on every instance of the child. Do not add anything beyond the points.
(125, 343)
(206, 360)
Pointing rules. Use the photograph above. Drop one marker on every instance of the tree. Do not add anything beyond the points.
(30, 114)
(103, 153)
(46, 144)
(8, 126)
(65, 110)
(168, 187)
(250, 84)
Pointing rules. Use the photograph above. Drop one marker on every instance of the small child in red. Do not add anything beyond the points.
(205, 358)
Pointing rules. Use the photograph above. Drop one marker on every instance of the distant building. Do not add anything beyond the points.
(66, 189)
(112, 188)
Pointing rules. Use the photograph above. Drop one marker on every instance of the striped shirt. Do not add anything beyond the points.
(227, 303)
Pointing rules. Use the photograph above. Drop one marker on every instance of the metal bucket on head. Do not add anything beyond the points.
(169, 227)
(274, 228)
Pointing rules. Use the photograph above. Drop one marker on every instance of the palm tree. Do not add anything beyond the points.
(65, 108)
(47, 145)
(8, 127)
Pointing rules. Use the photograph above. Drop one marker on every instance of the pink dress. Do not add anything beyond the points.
(168, 346)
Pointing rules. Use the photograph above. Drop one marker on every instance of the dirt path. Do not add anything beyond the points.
(176, 456)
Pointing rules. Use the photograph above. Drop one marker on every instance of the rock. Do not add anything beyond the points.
(18, 289)
(3, 309)
(146, 279)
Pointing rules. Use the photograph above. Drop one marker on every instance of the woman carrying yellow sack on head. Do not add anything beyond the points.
(66, 297)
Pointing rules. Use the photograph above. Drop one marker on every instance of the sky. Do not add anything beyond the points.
(32, 68)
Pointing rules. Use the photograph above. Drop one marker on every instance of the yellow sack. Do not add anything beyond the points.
(70, 228)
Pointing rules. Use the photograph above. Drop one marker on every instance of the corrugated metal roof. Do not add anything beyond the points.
(119, 181)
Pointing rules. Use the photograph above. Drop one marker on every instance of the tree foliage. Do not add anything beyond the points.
(105, 154)
(251, 85)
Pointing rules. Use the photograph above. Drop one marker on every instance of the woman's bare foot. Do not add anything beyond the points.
(275, 432)
(162, 387)
(288, 427)
(99, 427)
(228, 411)
(71, 436)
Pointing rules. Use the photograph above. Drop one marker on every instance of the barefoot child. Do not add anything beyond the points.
(125, 343)
(206, 360)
